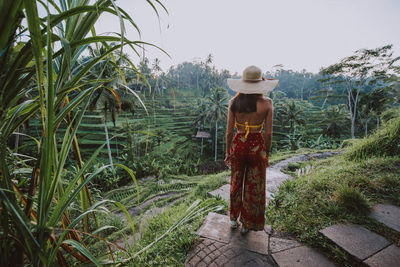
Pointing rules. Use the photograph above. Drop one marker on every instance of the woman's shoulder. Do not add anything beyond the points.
(266, 103)
(266, 100)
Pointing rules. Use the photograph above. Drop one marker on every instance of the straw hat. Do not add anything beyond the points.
(252, 82)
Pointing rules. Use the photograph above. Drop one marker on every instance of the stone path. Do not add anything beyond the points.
(388, 215)
(364, 245)
(274, 175)
(221, 246)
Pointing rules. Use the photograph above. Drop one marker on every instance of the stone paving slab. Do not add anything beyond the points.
(256, 241)
(301, 257)
(223, 191)
(387, 257)
(280, 244)
(212, 253)
(388, 215)
(217, 227)
(355, 239)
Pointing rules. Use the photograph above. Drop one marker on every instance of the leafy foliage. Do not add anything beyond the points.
(36, 219)
(367, 67)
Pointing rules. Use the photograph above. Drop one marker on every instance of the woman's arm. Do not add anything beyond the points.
(268, 126)
(229, 133)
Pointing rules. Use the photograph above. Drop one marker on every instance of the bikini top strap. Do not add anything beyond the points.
(247, 127)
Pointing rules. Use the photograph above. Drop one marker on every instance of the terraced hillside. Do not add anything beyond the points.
(164, 128)
(160, 125)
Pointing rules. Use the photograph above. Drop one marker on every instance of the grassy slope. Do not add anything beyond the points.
(385, 142)
(343, 188)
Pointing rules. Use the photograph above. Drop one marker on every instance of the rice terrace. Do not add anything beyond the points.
(115, 121)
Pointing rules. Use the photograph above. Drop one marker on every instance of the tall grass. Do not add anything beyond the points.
(42, 76)
(384, 142)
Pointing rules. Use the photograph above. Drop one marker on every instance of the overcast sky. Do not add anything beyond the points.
(299, 34)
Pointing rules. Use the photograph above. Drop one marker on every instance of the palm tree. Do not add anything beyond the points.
(200, 112)
(334, 120)
(209, 59)
(111, 102)
(109, 98)
(292, 113)
(156, 70)
(217, 106)
(375, 103)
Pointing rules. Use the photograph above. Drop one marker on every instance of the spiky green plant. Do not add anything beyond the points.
(36, 222)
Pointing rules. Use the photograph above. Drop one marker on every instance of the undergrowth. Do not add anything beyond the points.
(384, 142)
(173, 249)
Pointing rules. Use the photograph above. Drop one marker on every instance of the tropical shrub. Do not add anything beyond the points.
(322, 143)
(293, 141)
(41, 76)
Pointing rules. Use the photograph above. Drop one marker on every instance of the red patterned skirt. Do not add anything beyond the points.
(248, 176)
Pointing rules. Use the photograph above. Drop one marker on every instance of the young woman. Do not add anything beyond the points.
(248, 153)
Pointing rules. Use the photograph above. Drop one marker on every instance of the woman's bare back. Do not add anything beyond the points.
(264, 105)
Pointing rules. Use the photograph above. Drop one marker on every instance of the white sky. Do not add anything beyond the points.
(300, 34)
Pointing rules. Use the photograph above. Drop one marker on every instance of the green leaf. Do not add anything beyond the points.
(83, 250)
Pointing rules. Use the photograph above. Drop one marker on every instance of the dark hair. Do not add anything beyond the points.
(245, 103)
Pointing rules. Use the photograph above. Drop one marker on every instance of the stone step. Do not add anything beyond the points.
(217, 227)
(356, 240)
(219, 245)
(281, 244)
(223, 192)
(388, 215)
(301, 257)
(387, 257)
(211, 253)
